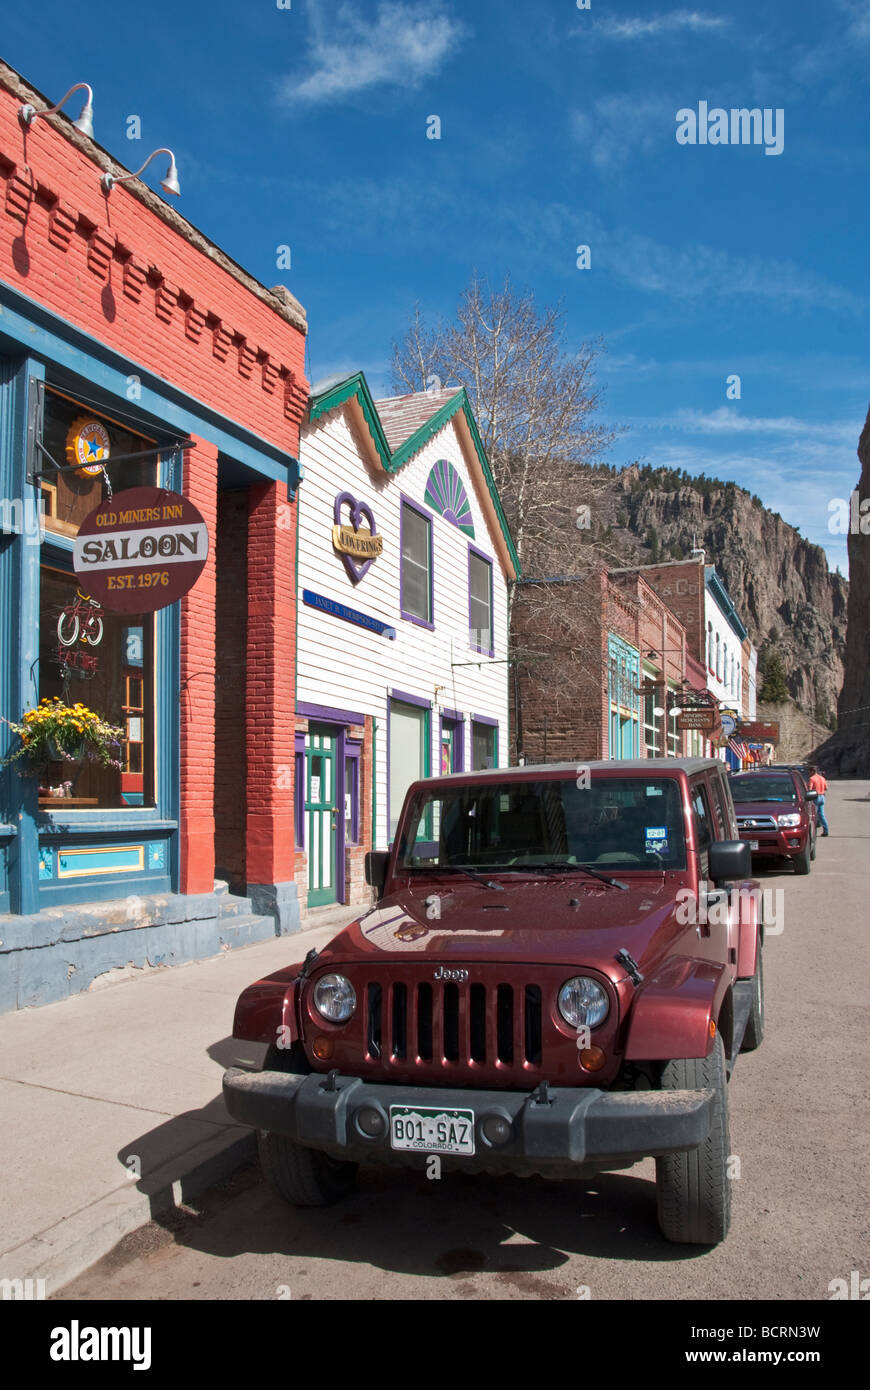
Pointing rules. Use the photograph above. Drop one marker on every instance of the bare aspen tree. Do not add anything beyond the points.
(537, 406)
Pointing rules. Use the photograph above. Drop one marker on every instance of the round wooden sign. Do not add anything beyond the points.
(87, 444)
(140, 551)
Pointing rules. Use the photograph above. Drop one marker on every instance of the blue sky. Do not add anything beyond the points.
(306, 126)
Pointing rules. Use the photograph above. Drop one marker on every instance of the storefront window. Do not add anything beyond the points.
(351, 799)
(484, 751)
(69, 426)
(650, 727)
(87, 654)
(104, 661)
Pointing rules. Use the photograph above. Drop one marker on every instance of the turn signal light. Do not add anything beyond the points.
(712, 1028)
(593, 1058)
(322, 1049)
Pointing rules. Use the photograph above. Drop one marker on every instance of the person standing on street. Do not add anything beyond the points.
(818, 784)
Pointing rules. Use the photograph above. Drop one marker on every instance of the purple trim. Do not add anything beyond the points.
(330, 716)
(410, 699)
(352, 750)
(473, 550)
(457, 725)
(427, 517)
(339, 836)
(299, 793)
(485, 722)
(359, 511)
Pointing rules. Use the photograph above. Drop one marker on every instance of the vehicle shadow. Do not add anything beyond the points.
(396, 1220)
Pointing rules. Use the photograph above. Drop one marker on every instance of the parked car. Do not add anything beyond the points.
(802, 768)
(554, 980)
(776, 815)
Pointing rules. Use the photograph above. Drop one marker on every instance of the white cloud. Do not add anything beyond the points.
(349, 51)
(858, 12)
(621, 126)
(694, 270)
(798, 484)
(677, 21)
(727, 420)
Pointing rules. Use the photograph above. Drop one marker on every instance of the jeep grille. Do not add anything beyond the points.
(456, 1023)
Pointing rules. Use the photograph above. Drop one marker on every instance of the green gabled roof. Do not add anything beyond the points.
(336, 395)
(392, 460)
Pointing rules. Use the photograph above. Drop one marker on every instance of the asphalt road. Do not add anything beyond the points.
(800, 1127)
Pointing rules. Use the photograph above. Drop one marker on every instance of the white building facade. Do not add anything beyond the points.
(404, 560)
(725, 636)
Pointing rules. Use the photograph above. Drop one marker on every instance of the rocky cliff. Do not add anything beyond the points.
(848, 752)
(779, 582)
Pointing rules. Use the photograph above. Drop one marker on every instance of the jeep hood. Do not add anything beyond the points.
(563, 921)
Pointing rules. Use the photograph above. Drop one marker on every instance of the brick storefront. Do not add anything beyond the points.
(113, 306)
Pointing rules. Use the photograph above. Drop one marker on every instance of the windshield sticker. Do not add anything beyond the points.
(655, 791)
(656, 839)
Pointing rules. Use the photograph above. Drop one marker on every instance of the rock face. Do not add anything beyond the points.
(779, 582)
(848, 751)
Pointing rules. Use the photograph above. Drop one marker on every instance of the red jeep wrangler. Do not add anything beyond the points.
(557, 979)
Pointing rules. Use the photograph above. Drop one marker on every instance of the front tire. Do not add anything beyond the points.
(303, 1177)
(692, 1188)
(803, 863)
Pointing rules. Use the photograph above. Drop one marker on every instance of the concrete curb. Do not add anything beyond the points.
(68, 1248)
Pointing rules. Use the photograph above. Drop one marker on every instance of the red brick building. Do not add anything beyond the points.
(595, 656)
(120, 318)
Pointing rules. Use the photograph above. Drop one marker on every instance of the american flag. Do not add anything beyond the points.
(739, 748)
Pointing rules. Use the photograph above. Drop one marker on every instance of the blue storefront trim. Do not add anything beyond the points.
(38, 346)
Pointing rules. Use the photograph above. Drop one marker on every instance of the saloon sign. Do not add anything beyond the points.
(140, 550)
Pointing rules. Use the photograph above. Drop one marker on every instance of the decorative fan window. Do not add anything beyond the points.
(446, 495)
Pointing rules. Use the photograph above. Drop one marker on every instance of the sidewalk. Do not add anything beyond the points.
(129, 1070)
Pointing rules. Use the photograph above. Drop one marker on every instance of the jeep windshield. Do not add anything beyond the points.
(615, 822)
(754, 786)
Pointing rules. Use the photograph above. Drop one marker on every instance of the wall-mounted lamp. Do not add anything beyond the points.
(85, 121)
(169, 184)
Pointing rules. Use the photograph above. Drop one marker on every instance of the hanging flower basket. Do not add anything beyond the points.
(56, 732)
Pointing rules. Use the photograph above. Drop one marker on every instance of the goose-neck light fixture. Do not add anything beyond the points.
(169, 184)
(84, 122)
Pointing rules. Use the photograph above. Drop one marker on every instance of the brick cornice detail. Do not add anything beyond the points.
(64, 222)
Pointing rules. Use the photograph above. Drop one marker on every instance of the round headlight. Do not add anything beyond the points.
(583, 1002)
(334, 998)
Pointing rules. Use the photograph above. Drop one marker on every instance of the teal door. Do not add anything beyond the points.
(321, 814)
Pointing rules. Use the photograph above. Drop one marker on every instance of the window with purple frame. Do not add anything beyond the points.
(416, 565)
(351, 793)
(479, 602)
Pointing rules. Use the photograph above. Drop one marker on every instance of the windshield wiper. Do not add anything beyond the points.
(558, 865)
(473, 873)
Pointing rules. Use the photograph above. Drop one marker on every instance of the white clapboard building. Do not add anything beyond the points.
(402, 627)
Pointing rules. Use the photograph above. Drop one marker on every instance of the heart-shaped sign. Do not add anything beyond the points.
(358, 547)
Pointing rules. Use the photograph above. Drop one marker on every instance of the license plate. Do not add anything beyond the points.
(753, 844)
(425, 1129)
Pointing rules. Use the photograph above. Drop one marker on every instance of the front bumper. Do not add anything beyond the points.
(574, 1129)
(789, 842)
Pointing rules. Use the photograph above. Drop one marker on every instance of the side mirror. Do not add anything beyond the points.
(376, 868)
(812, 796)
(729, 859)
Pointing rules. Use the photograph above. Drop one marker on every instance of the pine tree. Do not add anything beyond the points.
(774, 690)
